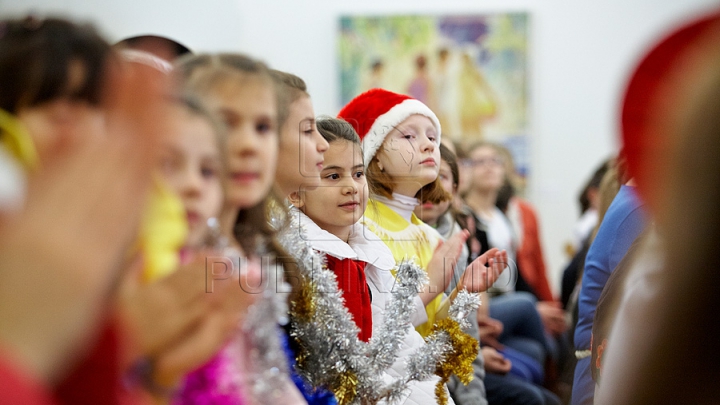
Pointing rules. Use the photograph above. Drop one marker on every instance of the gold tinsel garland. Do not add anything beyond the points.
(459, 361)
(345, 388)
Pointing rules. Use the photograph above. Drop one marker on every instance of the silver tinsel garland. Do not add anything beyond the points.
(269, 368)
(332, 355)
(267, 371)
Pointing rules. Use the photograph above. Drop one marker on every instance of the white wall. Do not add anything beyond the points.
(581, 52)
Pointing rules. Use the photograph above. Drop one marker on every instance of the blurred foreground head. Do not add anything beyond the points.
(46, 59)
(671, 133)
(163, 47)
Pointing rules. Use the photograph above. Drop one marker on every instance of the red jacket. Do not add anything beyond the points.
(530, 255)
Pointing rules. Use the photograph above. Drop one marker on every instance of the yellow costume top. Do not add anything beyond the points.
(407, 240)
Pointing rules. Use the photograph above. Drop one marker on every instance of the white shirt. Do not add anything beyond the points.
(500, 235)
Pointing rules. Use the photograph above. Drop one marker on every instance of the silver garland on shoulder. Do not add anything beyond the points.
(332, 355)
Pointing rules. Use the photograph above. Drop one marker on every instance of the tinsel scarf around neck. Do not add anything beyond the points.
(332, 356)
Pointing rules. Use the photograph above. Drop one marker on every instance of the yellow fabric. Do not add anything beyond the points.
(163, 232)
(17, 140)
(406, 240)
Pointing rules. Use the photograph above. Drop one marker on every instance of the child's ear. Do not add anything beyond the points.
(295, 199)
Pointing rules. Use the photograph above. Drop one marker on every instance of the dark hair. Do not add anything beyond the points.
(449, 157)
(594, 182)
(504, 195)
(289, 88)
(137, 41)
(334, 129)
(35, 59)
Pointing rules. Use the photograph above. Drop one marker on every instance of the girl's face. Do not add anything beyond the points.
(192, 168)
(410, 154)
(429, 212)
(301, 149)
(340, 199)
(249, 111)
(487, 170)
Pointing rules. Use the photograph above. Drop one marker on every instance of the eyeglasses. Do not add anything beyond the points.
(496, 161)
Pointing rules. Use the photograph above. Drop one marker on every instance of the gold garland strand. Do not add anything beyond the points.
(459, 361)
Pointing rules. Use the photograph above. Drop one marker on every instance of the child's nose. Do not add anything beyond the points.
(350, 188)
(244, 143)
(193, 183)
(322, 144)
(427, 144)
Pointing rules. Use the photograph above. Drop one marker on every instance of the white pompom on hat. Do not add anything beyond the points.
(375, 113)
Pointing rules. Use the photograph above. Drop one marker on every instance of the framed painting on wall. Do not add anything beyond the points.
(471, 70)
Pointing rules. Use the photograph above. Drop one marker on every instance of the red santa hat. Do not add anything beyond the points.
(375, 113)
(658, 94)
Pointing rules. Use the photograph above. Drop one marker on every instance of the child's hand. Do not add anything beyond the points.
(442, 265)
(478, 277)
(490, 330)
(553, 317)
(179, 343)
(495, 362)
(160, 312)
(178, 323)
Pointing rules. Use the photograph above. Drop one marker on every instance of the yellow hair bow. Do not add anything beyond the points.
(16, 139)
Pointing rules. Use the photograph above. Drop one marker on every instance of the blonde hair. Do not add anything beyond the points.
(201, 73)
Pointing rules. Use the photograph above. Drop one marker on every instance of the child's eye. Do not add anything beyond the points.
(263, 127)
(308, 131)
(333, 176)
(359, 174)
(208, 172)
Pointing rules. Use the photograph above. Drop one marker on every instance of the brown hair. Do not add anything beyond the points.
(381, 183)
(35, 58)
(593, 183)
(335, 129)
(449, 157)
(289, 88)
